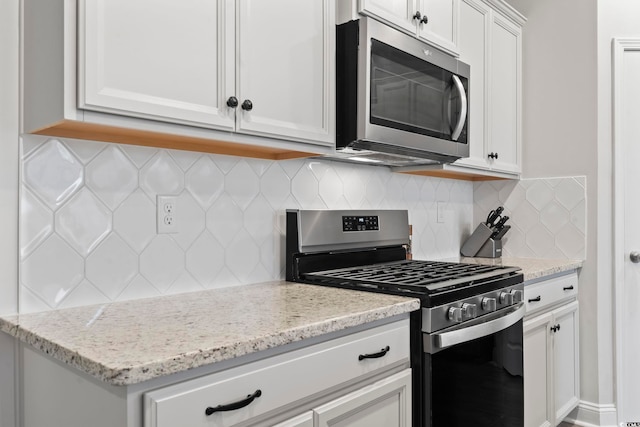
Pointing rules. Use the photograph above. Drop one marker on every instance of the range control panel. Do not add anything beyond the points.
(360, 223)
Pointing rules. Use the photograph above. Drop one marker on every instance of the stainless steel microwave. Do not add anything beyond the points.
(399, 101)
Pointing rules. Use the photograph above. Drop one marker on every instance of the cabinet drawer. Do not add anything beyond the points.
(281, 379)
(547, 293)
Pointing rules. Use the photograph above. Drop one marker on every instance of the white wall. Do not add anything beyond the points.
(9, 31)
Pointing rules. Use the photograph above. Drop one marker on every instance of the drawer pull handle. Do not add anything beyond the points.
(568, 288)
(236, 405)
(536, 299)
(375, 355)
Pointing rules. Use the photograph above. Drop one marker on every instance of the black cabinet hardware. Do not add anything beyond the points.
(568, 288)
(233, 406)
(536, 299)
(555, 328)
(493, 155)
(421, 18)
(375, 355)
(247, 105)
(232, 102)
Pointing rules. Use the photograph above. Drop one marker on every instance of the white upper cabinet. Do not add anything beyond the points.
(193, 62)
(286, 68)
(475, 18)
(241, 77)
(491, 44)
(435, 21)
(504, 96)
(490, 41)
(159, 59)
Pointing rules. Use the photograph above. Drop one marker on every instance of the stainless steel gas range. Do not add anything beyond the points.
(467, 338)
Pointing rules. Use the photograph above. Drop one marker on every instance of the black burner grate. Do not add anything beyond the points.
(423, 277)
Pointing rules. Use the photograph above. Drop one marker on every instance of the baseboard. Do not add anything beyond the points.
(589, 414)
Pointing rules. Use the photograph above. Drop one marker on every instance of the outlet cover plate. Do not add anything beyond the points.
(166, 214)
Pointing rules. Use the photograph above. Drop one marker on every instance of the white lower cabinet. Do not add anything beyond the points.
(304, 420)
(551, 352)
(386, 403)
(359, 377)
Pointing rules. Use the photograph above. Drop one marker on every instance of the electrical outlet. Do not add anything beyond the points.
(441, 215)
(166, 219)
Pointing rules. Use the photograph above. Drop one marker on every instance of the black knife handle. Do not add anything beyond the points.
(494, 215)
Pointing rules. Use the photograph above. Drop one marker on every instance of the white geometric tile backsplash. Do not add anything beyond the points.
(88, 217)
(547, 216)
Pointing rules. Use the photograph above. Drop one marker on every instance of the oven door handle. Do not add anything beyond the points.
(434, 343)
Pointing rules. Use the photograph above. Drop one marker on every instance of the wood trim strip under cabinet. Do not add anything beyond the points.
(104, 133)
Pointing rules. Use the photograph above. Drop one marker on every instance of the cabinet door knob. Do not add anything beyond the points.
(232, 102)
(493, 155)
(634, 257)
(417, 16)
(424, 20)
(247, 105)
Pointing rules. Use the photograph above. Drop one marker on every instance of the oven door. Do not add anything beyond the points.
(473, 376)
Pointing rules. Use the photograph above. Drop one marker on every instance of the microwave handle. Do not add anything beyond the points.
(463, 112)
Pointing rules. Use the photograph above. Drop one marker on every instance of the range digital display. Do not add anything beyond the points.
(360, 223)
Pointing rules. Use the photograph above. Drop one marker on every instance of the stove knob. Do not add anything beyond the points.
(455, 314)
(469, 311)
(517, 295)
(489, 304)
(506, 298)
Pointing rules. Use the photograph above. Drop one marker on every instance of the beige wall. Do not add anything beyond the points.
(561, 120)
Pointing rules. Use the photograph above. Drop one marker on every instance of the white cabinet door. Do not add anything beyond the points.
(158, 59)
(304, 420)
(397, 13)
(435, 21)
(504, 95)
(551, 361)
(286, 69)
(386, 403)
(566, 363)
(473, 44)
(538, 366)
(441, 26)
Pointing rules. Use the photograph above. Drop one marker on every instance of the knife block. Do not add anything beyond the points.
(481, 244)
(492, 248)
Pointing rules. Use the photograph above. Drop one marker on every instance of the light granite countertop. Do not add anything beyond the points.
(532, 268)
(129, 342)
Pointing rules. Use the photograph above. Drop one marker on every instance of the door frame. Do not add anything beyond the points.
(619, 47)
